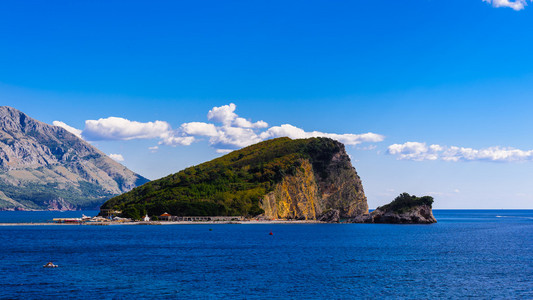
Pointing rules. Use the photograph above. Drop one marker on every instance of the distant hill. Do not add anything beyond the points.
(44, 167)
(278, 178)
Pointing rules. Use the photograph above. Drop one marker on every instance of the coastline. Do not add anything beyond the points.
(165, 223)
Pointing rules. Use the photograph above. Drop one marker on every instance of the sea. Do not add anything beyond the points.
(480, 254)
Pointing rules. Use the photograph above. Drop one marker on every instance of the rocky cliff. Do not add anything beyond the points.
(47, 167)
(405, 209)
(310, 193)
(280, 178)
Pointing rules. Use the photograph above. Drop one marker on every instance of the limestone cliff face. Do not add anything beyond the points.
(311, 192)
(296, 197)
(47, 167)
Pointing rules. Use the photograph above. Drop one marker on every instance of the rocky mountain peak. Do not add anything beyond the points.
(41, 163)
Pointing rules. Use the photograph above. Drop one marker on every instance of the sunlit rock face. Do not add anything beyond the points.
(310, 192)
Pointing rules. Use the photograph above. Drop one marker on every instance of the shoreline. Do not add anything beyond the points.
(165, 223)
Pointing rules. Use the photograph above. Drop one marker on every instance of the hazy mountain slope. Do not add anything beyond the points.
(47, 167)
(280, 178)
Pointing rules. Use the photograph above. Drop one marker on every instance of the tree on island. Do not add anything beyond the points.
(404, 202)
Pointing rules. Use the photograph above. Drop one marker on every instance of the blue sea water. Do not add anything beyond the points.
(484, 254)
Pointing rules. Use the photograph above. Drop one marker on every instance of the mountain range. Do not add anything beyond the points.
(45, 167)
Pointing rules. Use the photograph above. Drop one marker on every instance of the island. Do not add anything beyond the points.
(281, 179)
(278, 179)
(405, 209)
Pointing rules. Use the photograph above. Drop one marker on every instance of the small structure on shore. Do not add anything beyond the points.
(67, 220)
(99, 219)
(165, 217)
(170, 218)
(109, 212)
(121, 220)
(206, 218)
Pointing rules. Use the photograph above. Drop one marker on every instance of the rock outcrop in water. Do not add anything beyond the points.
(330, 216)
(405, 209)
(45, 167)
(279, 178)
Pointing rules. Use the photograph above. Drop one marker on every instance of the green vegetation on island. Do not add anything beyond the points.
(232, 185)
(404, 202)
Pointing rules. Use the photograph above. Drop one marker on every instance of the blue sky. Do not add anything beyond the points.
(453, 74)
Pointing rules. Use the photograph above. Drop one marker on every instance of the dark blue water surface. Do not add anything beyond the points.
(470, 253)
(41, 216)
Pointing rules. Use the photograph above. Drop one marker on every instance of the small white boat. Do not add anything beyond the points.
(50, 265)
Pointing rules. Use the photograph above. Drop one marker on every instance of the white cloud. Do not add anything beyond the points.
(172, 140)
(234, 137)
(199, 128)
(116, 157)
(241, 122)
(294, 132)
(226, 131)
(514, 4)
(236, 132)
(488, 154)
(413, 151)
(153, 149)
(74, 131)
(226, 115)
(114, 128)
(224, 151)
(420, 151)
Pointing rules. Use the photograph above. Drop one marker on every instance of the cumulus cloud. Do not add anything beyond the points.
(114, 128)
(199, 128)
(226, 115)
(414, 151)
(298, 133)
(116, 157)
(234, 137)
(514, 4)
(421, 151)
(226, 131)
(74, 131)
